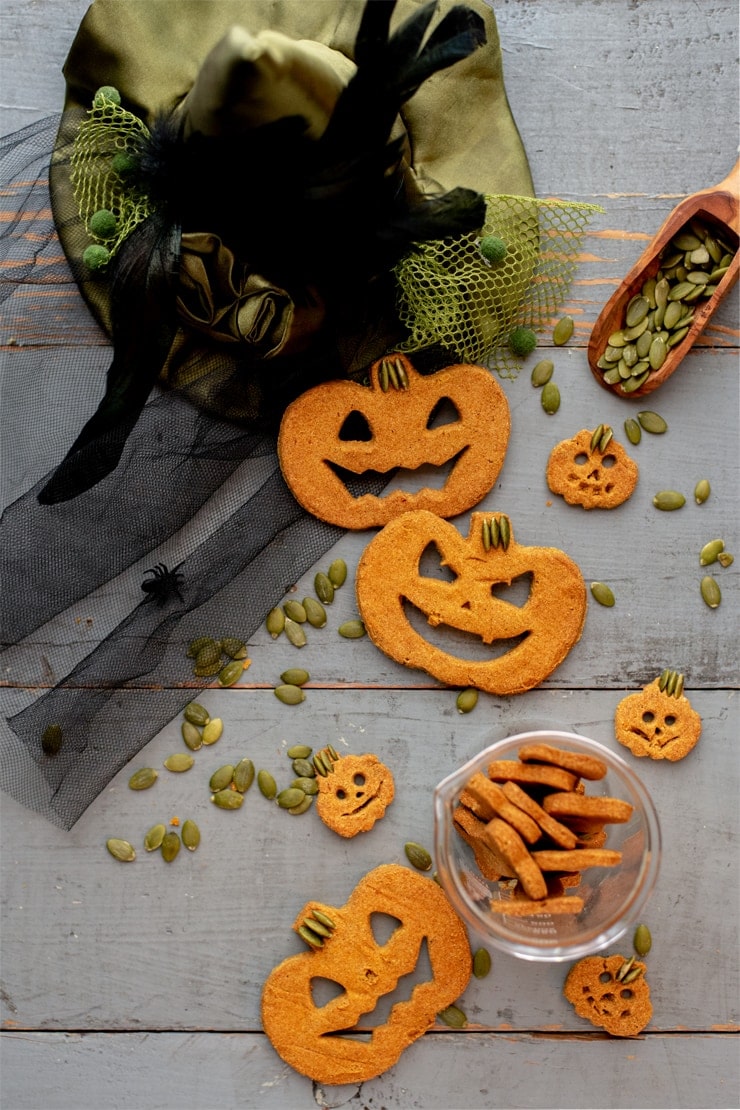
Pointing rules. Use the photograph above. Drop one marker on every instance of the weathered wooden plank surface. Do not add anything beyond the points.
(139, 987)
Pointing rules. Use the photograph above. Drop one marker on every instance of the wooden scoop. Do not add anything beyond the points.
(719, 208)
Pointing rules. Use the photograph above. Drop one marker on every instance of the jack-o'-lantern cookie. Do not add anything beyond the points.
(394, 594)
(345, 951)
(354, 794)
(341, 431)
(610, 992)
(658, 720)
(592, 470)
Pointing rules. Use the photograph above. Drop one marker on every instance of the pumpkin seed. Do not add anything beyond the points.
(596, 436)
(603, 594)
(702, 490)
(295, 633)
(481, 963)
(243, 775)
(323, 918)
(295, 611)
(563, 331)
(51, 739)
(321, 765)
(170, 846)
(657, 353)
(230, 674)
(266, 784)
(542, 372)
(337, 573)
(710, 592)
(669, 499)
(633, 431)
(275, 622)
(310, 937)
(393, 374)
(304, 768)
(234, 648)
(212, 731)
(298, 751)
(209, 656)
(307, 785)
(494, 531)
(486, 535)
(504, 528)
(315, 612)
(221, 778)
(289, 695)
(289, 797)
(725, 559)
(302, 806)
(550, 398)
(630, 977)
(453, 1016)
(196, 714)
(154, 838)
(418, 856)
(198, 644)
(624, 969)
(295, 676)
(652, 422)
(227, 799)
(352, 630)
(143, 778)
(710, 551)
(179, 762)
(324, 588)
(642, 940)
(403, 378)
(190, 835)
(121, 849)
(467, 700)
(317, 926)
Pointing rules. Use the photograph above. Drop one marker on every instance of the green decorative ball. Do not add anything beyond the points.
(96, 256)
(106, 93)
(103, 224)
(522, 342)
(123, 163)
(493, 248)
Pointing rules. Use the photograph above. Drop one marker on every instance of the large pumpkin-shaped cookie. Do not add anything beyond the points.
(527, 640)
(341, 431)
(308, 1035)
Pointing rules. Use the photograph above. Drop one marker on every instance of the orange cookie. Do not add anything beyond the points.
(494, 802)
(507, 841)
(598, 993)
(585, 475)
(355, 794)
(554, 829)
(491, 863)
(579, 763)
(309, 1037)
(343, 430)
(657, 722)
(511, 770)
(528, 907)
(537, 634)
(587, 807)
(555, 860)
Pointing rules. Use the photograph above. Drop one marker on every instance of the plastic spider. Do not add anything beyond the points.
(164, 584)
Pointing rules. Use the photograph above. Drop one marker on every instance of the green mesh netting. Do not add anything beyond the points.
(102, 159)
(448, 293)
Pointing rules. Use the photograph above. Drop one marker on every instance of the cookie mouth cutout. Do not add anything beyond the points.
(426, 475)
(456, 641)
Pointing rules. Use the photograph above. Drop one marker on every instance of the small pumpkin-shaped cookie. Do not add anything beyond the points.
(535, 636)
(592, 470)
(659, 720)
(308, 1036)
(355, 794)
(342, 430)
(610, 992)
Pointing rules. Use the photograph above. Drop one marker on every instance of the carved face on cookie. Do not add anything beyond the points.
(355, 794)
(341, 434)
(655, 723)
(472, 611)
(587, 476)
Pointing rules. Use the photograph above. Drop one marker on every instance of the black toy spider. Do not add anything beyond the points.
(164, 585)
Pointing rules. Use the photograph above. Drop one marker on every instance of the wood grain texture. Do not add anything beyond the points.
(137, 987)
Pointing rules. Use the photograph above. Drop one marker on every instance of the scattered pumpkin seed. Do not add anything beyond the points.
(418, 856)
(195, 646)
(230, 674)
(295, 633)
(121, 849)
(725, 559)
(302, 806)
(542, 372)
(227, 799)
(295, 676)
(289, 797)
(454, 1017)
(170, 846)
(352, 630)
(179, 762)
(304, 768)
(702, 489)
(266, 784)
(298, 751)
(711, 551)
(315, 612)
(481, 963)
(212, 731)
(196, 714)
(632, 431)
(642, 940)
(155, 836)
(337, 573)
(234, 648)
(603, 594)
(307, 785)
(289, 695)
(221, 778)
(190, 835)
(550, 398)
(669, 499)
(243, 775)
(324, 588)
(192, 736)
(51, 739)
(563, 331)
(209, 656)
(710, 592)
(295, 611)
(275, 622)
(652, 422)
(467, 700)
(143, 778)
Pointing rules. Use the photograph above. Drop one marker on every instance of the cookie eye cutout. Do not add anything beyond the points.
(440, 437)
(582, 475)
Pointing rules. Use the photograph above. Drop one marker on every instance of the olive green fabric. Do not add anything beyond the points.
(459, 125)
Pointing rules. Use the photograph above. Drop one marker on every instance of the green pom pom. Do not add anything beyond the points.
(493, 248)
(123, 163)
(522, 342)
(106, 93)
(96, 257)
(103, 224)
